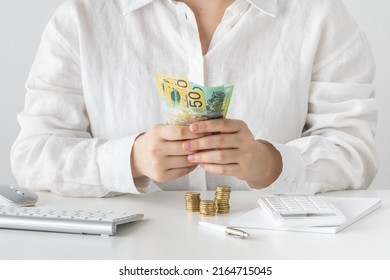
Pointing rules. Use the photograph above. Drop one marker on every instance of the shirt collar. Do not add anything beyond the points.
(269, 7)
(131, 5)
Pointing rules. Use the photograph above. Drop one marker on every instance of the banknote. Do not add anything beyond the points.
(186, 102)
(177, 81)
(226, 102)
(217, 99)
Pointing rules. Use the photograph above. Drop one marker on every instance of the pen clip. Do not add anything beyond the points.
(236, 232)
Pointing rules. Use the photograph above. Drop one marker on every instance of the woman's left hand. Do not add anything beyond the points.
(230, 149)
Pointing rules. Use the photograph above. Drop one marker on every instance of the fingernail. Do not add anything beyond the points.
(191, 158)
(187, 146)
(194, 127)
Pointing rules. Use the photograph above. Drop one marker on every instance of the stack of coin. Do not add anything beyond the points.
(222, 196)
(207, 208)
(192, 201)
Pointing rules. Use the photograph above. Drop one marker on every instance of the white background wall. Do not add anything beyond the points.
(22, 22)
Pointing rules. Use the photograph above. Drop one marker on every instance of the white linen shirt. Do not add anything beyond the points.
(302, 73)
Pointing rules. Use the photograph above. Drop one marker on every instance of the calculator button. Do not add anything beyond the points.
(301, 210)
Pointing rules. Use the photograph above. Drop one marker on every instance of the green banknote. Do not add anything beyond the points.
(186, 102)
(217, 99)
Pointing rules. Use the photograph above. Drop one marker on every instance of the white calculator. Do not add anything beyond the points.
(302, 210)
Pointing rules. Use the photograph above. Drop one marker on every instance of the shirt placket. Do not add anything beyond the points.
(230, 18)
(190, 38)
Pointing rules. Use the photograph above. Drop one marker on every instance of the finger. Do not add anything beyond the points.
(173, 162)
(222, 169)
(219, 125)
(175, 132)
(215, 141)
(174, 148)
(176, 173)
(215, 156)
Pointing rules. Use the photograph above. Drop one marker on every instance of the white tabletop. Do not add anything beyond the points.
(169, 232)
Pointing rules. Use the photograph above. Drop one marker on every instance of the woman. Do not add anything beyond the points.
(302, 117)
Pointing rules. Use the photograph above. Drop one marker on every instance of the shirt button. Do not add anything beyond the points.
(196, 61)
(228, 26)
(294, 186)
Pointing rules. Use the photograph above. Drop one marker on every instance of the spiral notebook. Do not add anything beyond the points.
(353, 209)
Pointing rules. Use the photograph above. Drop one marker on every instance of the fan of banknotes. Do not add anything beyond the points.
(186, 102)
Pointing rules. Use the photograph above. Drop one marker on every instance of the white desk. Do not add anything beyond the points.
(169, 232)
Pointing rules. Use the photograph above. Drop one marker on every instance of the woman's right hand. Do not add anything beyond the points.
(159, 155)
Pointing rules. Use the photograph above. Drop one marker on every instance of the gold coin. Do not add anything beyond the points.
(222, 197)
(207, 208)
(192, 201)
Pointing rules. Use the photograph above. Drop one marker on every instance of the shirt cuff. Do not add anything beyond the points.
(115, 168)
(291, 180)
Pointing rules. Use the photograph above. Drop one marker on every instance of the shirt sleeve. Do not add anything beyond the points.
(336, 150)
(55, 149)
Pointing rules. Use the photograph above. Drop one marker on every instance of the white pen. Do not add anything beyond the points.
(227, 230)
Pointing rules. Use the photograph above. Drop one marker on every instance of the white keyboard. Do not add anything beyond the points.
(302, 210)
(79, 221)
